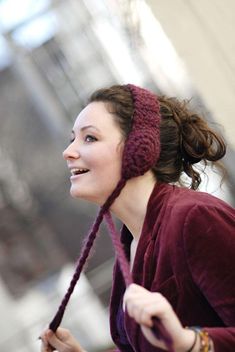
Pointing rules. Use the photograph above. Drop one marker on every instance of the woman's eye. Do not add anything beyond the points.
(89, 138)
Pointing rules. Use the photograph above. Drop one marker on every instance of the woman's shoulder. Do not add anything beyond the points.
(174, 207)
(181, 197)
(201, 210)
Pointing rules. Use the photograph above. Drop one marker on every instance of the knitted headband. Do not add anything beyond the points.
(142, 147)
(140, 154)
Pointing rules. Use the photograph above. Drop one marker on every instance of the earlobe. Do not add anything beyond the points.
(120, 146)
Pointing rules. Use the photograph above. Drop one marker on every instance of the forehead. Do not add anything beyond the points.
(96, 114)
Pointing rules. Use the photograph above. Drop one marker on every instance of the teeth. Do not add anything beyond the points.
(77, 171)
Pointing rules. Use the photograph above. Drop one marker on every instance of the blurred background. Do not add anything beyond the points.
(53, 54)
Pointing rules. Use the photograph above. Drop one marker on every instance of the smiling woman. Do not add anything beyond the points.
(95, 153)
(128, 154)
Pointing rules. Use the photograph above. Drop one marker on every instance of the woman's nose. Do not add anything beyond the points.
(70, 152)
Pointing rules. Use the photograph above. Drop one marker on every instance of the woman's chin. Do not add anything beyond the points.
(75, 193)
(86, 197)
(79, 195)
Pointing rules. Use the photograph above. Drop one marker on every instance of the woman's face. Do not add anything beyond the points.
(94, 155)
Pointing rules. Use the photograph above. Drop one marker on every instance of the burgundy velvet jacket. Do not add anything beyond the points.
(186, 251)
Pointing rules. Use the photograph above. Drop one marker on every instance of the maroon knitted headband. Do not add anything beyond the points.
(142, 147)
(140, 154)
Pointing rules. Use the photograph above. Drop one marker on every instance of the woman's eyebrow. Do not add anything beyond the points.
(85, 128)
(89, 126)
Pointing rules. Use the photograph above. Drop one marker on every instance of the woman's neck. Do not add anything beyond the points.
(131, 205)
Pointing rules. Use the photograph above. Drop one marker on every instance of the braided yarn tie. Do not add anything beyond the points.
(81, 262)
(84, 255)
(158, 329)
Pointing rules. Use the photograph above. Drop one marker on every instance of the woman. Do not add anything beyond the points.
(128, 150)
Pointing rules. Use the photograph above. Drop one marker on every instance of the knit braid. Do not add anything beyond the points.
(114, 194)
(81, 262)
(158, 329)
(84, 255)
(124, 265)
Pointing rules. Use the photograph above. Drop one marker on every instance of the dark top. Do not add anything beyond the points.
(186, 251)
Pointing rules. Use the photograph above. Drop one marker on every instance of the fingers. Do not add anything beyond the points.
(62, 334)
(142, 305)
(62, 341)
(140, 309)
(45, 346)
(52, 341)
(56, 342)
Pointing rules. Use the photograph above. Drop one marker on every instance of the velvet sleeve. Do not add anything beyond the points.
(209, 244)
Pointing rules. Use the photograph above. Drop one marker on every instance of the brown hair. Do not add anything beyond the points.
(185, 136)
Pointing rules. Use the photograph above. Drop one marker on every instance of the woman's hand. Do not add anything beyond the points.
(142, 305)
(61, 341)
